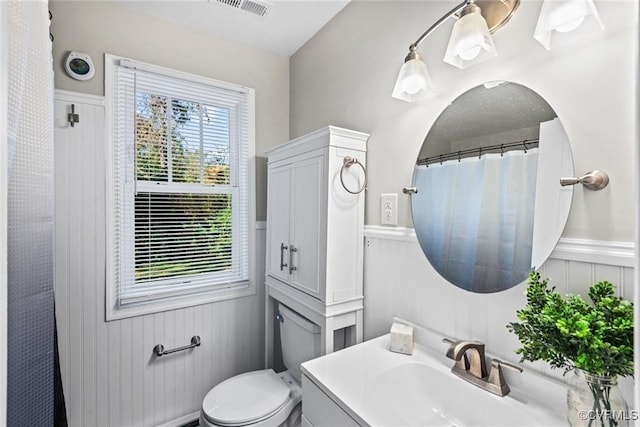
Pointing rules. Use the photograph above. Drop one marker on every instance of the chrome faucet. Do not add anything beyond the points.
(471, 366)
(475, 363)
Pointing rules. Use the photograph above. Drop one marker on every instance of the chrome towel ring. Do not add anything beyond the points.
(347, 162)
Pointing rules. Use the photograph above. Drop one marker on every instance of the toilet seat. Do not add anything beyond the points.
(246, 399)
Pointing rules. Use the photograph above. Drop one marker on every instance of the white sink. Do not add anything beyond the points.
(379, 388)
(435, 398)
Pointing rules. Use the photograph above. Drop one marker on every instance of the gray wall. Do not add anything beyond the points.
(99, 27)
(345, 74)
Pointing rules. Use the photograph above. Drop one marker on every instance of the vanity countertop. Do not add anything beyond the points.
(377, 387)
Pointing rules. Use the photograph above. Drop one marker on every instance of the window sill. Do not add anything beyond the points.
(174, 303)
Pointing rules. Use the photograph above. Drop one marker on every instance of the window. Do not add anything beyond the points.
(179, 188)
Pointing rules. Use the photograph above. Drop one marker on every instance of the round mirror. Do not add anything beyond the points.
(489, 206)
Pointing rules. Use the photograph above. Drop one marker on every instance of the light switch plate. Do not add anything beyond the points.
(389, 209)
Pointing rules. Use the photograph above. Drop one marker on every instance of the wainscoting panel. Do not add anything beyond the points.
(109, 373)
(400, 282)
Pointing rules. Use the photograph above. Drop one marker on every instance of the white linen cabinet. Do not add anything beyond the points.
(315, 232)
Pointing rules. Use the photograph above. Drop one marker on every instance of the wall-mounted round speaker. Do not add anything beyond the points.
(79, 66)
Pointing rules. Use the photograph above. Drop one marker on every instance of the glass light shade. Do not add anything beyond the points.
(470, 41)
(559, 18)
(413, 81)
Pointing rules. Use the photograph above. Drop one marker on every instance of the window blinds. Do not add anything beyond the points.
(181, 190)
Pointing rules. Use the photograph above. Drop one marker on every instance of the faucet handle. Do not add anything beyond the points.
(497, 379)
(509, 365)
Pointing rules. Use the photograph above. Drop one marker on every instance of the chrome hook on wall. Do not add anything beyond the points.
(593, 180)
(72, 117)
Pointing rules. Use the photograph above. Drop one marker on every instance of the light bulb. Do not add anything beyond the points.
(470, 53)
(570, 26)
(413, 84)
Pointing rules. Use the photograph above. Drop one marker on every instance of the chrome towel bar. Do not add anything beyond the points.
(159, 350)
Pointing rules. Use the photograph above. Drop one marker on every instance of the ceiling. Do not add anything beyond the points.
(491, 109)
(287, 25)
(479, 116)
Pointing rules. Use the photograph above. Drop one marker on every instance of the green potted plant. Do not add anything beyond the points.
(593, 340)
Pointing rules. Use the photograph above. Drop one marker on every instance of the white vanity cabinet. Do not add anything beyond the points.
(319, 410)
(295, 224)
(315, 230)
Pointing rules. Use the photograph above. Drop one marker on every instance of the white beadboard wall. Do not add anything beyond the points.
(399, 281)
(109, 375)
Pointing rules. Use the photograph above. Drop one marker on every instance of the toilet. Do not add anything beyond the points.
(265, 398)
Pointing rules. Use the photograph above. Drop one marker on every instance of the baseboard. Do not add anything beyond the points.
(581, 250)
(187, 419)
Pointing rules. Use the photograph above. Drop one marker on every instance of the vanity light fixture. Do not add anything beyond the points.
(559, 18)
(470, 41)
(413, 80)
(469, 44)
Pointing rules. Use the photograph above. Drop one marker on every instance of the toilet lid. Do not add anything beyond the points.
(245, 398)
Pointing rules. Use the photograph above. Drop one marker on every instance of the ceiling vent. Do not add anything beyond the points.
(255, 7)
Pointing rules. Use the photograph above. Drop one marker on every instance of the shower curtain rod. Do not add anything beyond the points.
(526, 144)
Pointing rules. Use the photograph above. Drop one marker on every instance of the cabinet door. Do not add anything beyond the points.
(308, 225)
(278, 216)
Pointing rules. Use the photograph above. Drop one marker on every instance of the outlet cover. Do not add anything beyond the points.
(389, 209)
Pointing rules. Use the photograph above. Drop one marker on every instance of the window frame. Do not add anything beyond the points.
(190, 296)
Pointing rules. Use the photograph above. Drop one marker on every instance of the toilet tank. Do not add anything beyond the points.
(300, 339)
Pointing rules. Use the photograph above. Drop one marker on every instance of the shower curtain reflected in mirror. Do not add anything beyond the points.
(476, 218)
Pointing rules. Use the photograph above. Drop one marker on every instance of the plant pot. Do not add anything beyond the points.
(595, 401)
